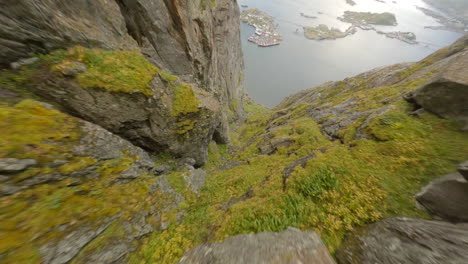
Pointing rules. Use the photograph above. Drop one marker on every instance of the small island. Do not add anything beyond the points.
(266, 34)
(364, 21)
(351, 2)
(308, 16)
(361, 19)
(322, 32)
(408, 37)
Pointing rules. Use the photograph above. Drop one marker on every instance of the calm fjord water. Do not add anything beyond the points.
(298, 63)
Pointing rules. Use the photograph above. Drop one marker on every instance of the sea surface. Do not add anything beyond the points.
(298, 63)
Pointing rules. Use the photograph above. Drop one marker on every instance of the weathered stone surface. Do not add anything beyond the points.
(447, 94)
(186, 162)
(102, 144)
(115, 249)
(195, 179)
(446, 198)
(160, 170)
(52, 25)
(65, 249)
(10, 165)
(290, 246)
(163, 186)
(407, 241)
(270, 146)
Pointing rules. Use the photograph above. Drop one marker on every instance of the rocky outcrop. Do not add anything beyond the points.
(195, 179)
(289, 246)
(150, 120)
(191, 40)
(446, 198)
(447, 93)
(406, 240)
(66, 249)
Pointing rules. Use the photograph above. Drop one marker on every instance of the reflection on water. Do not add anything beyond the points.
(276, 72)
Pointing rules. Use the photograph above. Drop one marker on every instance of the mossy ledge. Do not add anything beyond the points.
(124, 93)
(115, 71)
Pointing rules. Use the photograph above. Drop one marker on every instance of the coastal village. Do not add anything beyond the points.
(266, 34)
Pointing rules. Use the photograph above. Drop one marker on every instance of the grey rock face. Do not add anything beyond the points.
(10, 165)
(407, 241)
(200, 45)
(446, 198)
(270, 146)
(102, 144)
(160, 170)
(163, 186)
(290, 246)
(65, 249)
(195, 179)
(447, 94)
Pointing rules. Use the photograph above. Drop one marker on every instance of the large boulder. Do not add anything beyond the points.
(407, 241)
(169, 116)
(446, 198)
(447, 94)
(290, 246)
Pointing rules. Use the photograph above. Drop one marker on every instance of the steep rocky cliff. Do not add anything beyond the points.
(100, 101)
(189, 44)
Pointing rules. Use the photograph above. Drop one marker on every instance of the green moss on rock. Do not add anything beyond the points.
(185, 101)
(31, 130)
(115, 71)
(168, 77)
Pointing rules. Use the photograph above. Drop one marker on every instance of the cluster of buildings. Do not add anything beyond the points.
(265, 37)
(265, 33)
